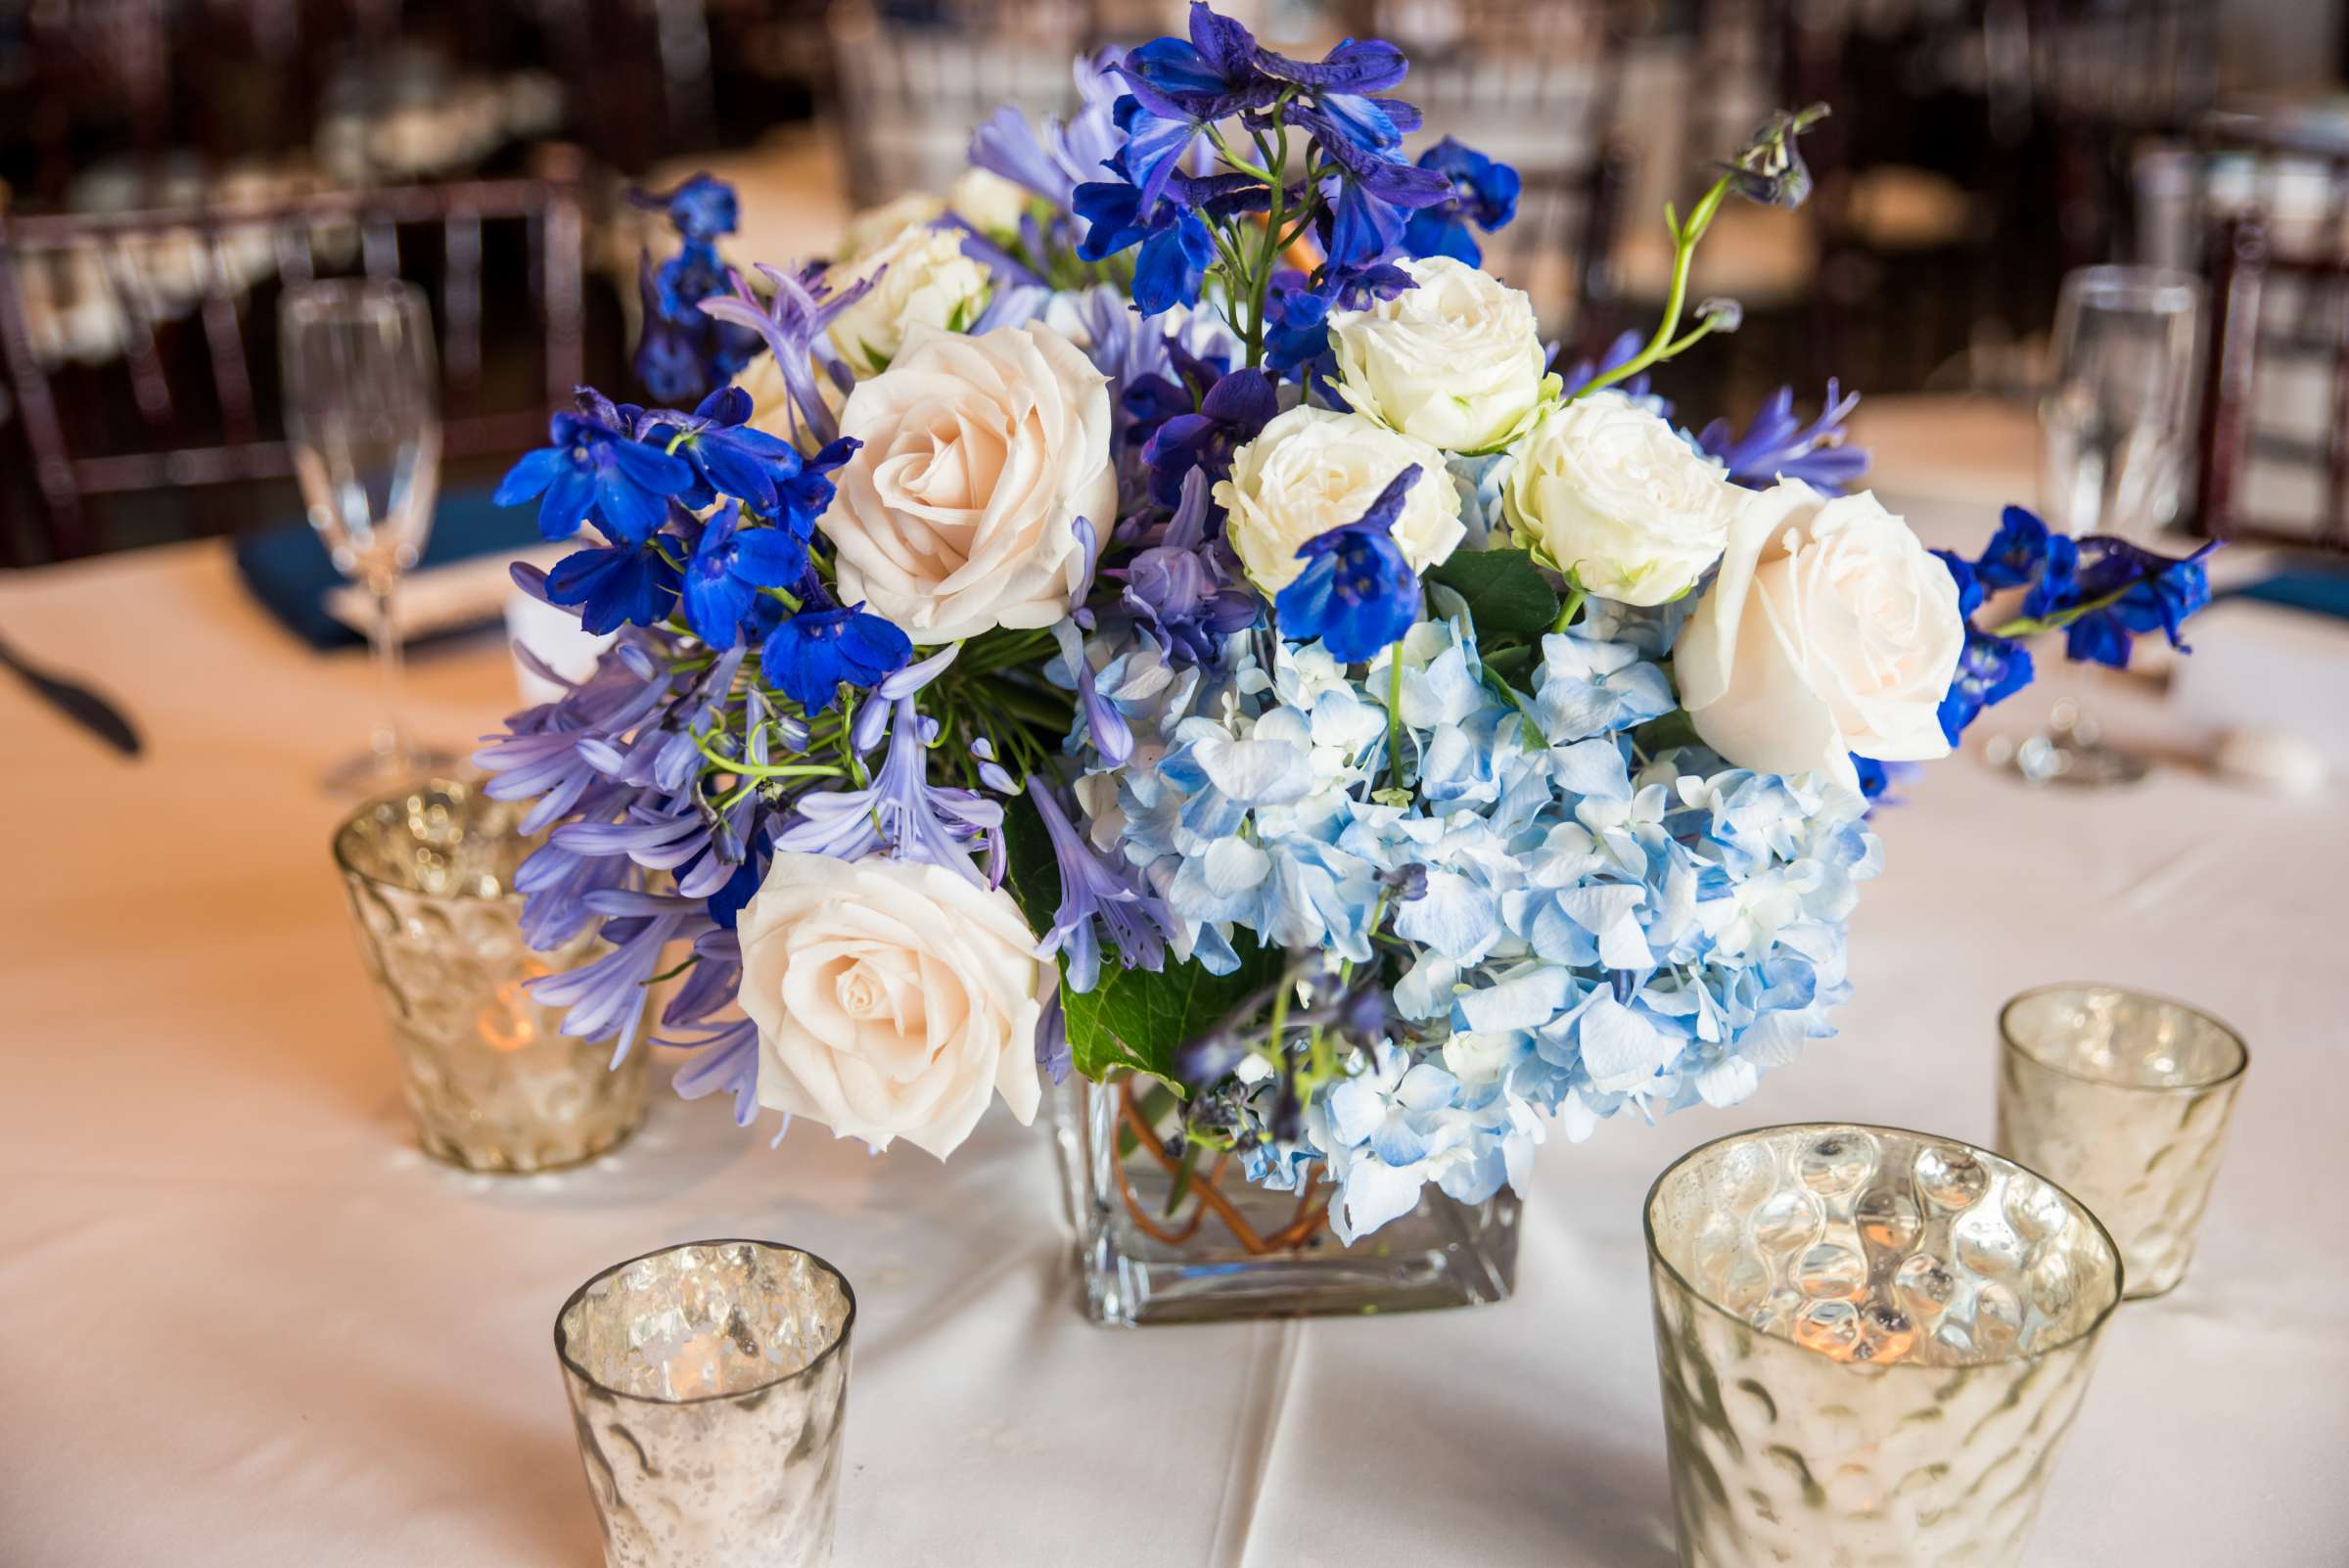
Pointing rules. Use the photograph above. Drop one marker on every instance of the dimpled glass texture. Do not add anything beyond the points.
(1871, 1342)
(2124, 1100)
(708, 1383)
(493, 1081)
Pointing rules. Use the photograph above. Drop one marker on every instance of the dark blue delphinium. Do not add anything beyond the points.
(591, 472)
(1358, 593)
(1230, 412)
(728, 567)
(808, 656)
(1482, 192)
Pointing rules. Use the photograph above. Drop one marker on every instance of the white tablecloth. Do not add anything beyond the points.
(246, 1325)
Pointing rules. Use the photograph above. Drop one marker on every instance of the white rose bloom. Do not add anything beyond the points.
(893, 999)
(1611, 493)
(876, 226)
(927, 282)
(1830, 629)
(1311, 470)
(988, 201)
(1456, 361)
(958, 513)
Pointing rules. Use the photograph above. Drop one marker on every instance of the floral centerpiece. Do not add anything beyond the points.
(1156, 622)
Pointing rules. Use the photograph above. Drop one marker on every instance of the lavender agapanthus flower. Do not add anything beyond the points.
(795, 325)
(902, 812)
(1053, 158)
(1093, 887)
(1777, 445)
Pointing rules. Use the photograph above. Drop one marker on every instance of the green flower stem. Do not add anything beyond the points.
(1395, 716)
(1684, 239)
(1574, 597)
(748, 770)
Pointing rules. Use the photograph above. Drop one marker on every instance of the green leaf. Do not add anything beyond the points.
(1506, 594)
(1132, 1019)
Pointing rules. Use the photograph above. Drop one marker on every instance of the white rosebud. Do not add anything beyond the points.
(1311, 470)
(1456, 361)
(920, 278)
(1830, 629)
(874, 228)
(1613, 495)
(988, 201)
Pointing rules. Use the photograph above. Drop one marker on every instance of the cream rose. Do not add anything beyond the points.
(893, 999)
(876, 226)
(1829, 630)
(1611, 493)
(1311, 470)
(919, 278)
(1456, 361)
(958, 513)
(988, 201)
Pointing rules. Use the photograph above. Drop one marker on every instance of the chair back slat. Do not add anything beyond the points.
(2250, 272)
(125, 297)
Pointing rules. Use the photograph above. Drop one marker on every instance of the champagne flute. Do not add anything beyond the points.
(363, 422)
(2116, 426)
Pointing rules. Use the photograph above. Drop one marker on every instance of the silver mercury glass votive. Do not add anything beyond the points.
(708, 1382)
(493, 1081)
(1872, 1342)
(2124, 1100)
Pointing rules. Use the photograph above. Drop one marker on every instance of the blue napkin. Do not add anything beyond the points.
(288, 569)
(2319, 589)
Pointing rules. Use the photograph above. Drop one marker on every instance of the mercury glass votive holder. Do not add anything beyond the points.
(2124, 1100)
(493, 1081)
(1871, 1342)
(708, 1383)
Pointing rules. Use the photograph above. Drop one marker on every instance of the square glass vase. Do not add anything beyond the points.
(1159, 1244)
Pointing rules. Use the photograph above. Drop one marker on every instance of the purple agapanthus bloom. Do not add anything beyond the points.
(1090, 886)
(808, 656)
(729, 565)
(1482, 192)
(793, 323)
(1178, 588)
(1358, 593)
(1777, 445)
(902, 812)
(592, 473)
(1053, 160)
(607, 997)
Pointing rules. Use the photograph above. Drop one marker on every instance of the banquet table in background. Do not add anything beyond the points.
(247, 1325)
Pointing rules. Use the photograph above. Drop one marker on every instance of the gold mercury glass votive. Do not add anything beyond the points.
(2124, 1100)
(708, 1383)
(1872, 1342)
(493, 1081)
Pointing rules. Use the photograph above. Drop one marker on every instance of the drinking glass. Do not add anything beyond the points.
(1871, 1342)
(2124, 1100)
(363, 422)
(707, 1384)
(2116, 428)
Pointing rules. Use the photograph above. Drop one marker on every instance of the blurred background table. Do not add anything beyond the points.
(252, 1325)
